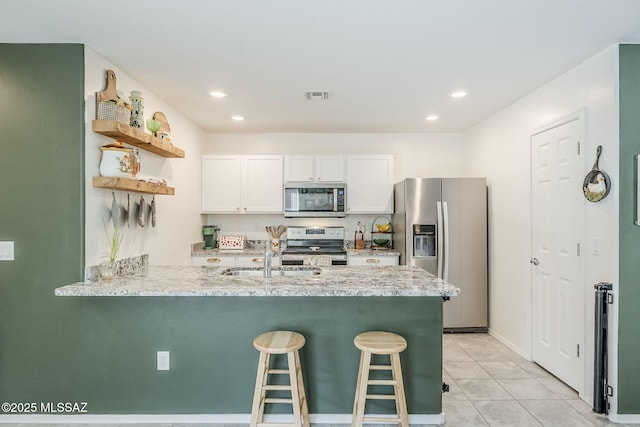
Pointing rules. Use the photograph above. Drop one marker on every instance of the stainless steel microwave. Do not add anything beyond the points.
(307, 199)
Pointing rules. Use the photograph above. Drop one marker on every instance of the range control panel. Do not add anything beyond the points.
(315, 233)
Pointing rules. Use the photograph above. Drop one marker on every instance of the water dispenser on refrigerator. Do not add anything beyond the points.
(424, 240)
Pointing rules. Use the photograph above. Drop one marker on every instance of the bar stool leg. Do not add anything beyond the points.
(295, 396)
(356, 398)
(401, 403)
(303, 395)
(257, 408)
(361, 394)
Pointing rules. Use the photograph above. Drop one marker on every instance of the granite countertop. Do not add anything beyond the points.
(209, 281)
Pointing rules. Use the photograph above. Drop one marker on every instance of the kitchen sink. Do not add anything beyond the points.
(275, 272)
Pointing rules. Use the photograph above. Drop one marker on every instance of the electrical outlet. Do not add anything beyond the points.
(6, 251)
(162, 360)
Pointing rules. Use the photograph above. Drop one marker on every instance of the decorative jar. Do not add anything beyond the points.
(107, 269)
(119, 162)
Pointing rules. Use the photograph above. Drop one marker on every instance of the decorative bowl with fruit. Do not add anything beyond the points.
(383, 228)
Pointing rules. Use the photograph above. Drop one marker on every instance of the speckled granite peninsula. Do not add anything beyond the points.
(220, 281)
(208, 318)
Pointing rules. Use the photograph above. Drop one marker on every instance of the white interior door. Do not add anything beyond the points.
(557, 227)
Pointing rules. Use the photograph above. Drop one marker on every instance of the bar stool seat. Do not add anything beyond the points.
(380, 343)
(279, 343)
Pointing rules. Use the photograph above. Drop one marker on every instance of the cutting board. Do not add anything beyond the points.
(164, 123)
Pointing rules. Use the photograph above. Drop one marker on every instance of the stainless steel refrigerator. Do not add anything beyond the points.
(440, 225)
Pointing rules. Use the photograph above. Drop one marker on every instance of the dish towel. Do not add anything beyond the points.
(317, 260)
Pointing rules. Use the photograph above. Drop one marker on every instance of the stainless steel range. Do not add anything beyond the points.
(305, 241)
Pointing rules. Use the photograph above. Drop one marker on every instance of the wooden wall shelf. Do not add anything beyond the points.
(128, 184)
(136, 137)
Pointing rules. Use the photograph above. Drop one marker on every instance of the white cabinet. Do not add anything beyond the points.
(221, 184)
(251, 261)
(372, 261)
(213, 260)
(369, 183)
(232, 260)
(318, 168)
(242, 184)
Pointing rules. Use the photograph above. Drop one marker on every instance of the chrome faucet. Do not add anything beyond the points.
(268, 254)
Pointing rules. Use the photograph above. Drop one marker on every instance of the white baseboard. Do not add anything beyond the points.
(506, 342)
(624, 418)
(194, 419)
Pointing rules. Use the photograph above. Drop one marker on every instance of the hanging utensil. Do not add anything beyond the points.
(141, 209)
(115, 210)
(128, 208)
(153, 211)
(596, 184)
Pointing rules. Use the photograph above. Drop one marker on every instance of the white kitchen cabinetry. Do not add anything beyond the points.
(372, 261)
(369, 183)
(242, 184)
(253, 261)
(318, 168)
(214, 260)
(232, 260)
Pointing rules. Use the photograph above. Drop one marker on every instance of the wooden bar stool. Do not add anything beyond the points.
(279, 342)
(384, 343)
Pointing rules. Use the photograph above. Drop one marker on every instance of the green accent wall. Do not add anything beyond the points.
(629, 297)
(41, 209)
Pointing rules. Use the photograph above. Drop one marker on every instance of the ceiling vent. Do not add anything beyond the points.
(317, 95)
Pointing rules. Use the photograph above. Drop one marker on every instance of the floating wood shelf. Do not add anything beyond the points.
(136, 137)
(128, 184)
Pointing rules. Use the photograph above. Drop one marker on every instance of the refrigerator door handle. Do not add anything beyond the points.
(445, 211)
(440, 240)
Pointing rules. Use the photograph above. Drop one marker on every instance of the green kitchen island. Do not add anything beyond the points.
(207, 318)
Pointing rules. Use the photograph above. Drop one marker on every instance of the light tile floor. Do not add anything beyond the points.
(490, 385)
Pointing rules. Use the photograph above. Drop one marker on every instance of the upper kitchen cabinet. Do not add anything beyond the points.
(369, 183)
(319, 168)
(242, 184)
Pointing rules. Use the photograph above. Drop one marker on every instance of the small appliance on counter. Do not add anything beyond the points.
(232, 242)
(210, 235)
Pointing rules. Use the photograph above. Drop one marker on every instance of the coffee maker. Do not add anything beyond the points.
(210, 235)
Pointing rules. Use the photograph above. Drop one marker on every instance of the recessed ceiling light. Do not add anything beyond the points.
(432, 117)
(237, 118)
(458, 94)
(217, 94)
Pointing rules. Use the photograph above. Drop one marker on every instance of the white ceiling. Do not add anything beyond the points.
(386, 63)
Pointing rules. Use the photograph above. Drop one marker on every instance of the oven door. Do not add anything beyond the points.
(314, 200)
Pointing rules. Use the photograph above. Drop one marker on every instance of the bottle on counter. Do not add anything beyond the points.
(359, 237)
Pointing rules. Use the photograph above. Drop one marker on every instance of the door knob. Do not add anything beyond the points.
(534, 261)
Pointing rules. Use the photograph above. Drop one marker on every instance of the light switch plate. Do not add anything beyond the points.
(163, 359)
(6, 251)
